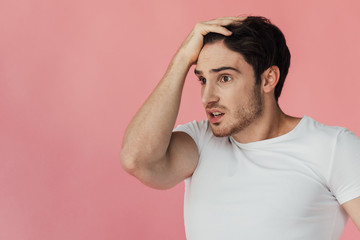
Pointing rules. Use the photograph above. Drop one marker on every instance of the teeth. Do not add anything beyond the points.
(216, 114)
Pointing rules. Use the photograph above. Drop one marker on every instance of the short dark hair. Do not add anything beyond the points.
(262, 45)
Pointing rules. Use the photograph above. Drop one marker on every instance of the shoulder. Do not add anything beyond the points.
(194, 128)
(335, 137)
(315, 128)
(200, 132)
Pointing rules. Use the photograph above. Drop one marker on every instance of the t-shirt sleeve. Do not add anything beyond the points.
(344, 174)
(196, 130)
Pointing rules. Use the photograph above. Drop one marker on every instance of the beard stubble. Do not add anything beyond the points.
(243, 117)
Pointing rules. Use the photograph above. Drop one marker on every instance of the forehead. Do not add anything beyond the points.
(215, 55)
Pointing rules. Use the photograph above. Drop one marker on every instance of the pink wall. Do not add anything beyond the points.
(73, 73)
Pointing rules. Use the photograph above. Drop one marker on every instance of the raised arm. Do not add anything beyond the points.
(150, 151)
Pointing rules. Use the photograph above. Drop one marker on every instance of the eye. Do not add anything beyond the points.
(202, 80)
(226, 78)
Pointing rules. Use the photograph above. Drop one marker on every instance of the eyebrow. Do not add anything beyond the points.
(197, 72)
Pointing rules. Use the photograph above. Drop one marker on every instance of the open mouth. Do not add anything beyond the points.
(215, 116)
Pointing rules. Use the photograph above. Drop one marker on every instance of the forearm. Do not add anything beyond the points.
(148, 134)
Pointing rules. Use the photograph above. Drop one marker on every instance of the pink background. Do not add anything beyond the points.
(73, 73)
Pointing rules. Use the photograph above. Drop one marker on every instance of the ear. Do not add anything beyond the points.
(269, 78)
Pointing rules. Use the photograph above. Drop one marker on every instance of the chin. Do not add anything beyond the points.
(222, 132)
(225, 131)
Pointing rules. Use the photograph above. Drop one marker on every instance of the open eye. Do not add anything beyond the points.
(226, 78)
(202, 80)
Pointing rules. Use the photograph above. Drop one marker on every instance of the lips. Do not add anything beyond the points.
(215, 115)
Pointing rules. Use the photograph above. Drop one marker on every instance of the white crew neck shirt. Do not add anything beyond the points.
(284, 188)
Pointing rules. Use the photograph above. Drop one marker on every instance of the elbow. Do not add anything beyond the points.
(145, 173)
(128, 163)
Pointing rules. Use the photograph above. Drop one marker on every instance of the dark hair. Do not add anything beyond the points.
(262, 45)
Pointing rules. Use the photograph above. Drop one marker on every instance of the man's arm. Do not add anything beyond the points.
(150, 151)
(352, 208)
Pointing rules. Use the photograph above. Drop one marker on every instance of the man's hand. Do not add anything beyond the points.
(194, 42)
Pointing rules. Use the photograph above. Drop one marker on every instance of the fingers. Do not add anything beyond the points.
(205, 28)
(192, 45)
(223, 21)
(217, 25)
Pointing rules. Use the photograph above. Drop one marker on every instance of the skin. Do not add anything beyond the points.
(163, 163)
(251, 111)
(231, 91)
(352, 208)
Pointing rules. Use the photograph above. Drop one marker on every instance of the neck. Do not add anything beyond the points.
(273, 122)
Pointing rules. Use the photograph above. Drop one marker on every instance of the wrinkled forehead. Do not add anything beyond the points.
(215, 55)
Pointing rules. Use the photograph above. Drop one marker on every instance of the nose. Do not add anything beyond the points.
(209, 94)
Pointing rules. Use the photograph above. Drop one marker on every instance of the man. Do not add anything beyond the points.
(250, 170)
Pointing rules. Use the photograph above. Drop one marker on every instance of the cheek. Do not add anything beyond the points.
(236, 97)
(234, 94)
(201, 94)
(232, 99)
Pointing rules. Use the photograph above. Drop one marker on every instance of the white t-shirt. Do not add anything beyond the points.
(289, 187)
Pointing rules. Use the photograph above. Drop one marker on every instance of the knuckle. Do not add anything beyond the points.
(197, 25)
(200, 24)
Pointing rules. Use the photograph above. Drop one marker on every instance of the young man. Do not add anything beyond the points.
(250, 170)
